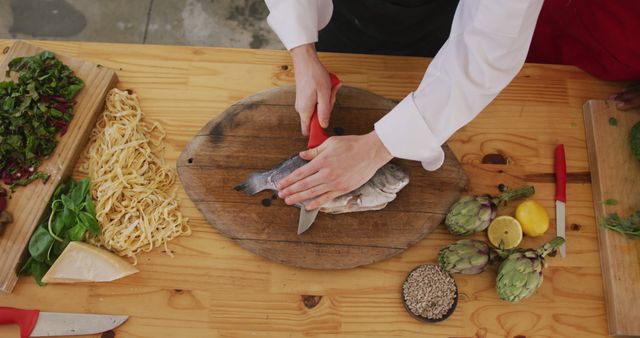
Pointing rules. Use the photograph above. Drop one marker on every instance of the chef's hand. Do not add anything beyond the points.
(313, 86)
(339, 165)
(628, 98)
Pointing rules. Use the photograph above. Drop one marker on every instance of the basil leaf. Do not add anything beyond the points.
(68, 202)
(38, 270)
(68, 219)
(58, 247)
(26, 267)
(61, 189)
(88, 205)
(76, 233)
(90, 222)
(83, 186)
(39, 244)
(58, 224)
(77, 194)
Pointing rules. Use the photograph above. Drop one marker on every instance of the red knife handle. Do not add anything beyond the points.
(26, 319)
(316, 133)
(561, 174)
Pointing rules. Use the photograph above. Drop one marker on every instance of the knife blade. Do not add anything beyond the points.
(306, 219)
(560, 166)
(316, 137)
(34, 323)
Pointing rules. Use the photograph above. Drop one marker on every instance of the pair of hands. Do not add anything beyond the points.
(342, 163)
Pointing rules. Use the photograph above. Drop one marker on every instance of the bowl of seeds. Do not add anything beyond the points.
(429, 293)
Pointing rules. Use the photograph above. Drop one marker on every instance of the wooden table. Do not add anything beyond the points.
(215, 288)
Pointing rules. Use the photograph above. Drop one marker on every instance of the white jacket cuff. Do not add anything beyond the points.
(406, 135)
(297, 22)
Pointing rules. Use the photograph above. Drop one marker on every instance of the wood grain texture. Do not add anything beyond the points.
(615, 174)
(28, 204)
(256, 134)
(215, 288)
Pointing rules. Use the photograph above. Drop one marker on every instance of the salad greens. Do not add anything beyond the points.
(629, 227)
(72, 216)
(33, 111)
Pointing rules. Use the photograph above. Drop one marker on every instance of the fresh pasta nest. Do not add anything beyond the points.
(133, 189)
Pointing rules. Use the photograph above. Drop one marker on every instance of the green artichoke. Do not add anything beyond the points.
(520, 274)
(471, 214)
(467, 256)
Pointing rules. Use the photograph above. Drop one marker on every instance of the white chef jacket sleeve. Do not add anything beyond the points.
(487, 47)
(297, 22)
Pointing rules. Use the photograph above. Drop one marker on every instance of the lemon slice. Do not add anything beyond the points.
(505, 232)
(533, 217)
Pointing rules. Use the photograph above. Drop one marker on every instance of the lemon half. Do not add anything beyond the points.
(505, 232)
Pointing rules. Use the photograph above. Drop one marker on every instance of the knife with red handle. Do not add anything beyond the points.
(316, 137)
(34, 323)
(316, 134)
(560, 167)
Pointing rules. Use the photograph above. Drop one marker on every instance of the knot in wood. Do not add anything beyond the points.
(311, 301)
(494, 159)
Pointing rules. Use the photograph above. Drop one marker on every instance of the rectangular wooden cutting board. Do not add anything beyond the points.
(27, 204)
(615, 173)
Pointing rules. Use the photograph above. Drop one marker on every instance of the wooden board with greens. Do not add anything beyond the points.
(49, 95)
(615, 177)
(72, 216)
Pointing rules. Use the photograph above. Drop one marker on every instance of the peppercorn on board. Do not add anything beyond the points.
(27, 204)
(615, 176)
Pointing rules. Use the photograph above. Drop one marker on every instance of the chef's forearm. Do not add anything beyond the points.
(297, 22)
(487, 47)
(303, 53)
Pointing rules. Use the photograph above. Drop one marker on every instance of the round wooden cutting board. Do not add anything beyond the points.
(259, 132)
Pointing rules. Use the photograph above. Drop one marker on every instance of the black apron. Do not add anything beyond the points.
(391, 27)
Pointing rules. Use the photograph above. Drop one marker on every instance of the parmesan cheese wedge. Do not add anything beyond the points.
(82, 262)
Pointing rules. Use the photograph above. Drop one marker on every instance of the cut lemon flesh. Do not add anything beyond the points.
(505, 232)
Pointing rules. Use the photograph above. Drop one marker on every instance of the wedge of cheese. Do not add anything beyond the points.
(82, 262)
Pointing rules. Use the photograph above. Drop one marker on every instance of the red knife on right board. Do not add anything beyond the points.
(561, 195)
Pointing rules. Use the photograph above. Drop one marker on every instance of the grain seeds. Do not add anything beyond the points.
(429, 292)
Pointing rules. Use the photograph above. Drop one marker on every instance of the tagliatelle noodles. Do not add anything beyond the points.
(133, 189)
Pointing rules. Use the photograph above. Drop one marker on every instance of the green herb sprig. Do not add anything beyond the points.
(629, 227)
(72, 216)
(33, 111)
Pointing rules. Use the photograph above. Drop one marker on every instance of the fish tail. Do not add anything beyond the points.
(254, 184)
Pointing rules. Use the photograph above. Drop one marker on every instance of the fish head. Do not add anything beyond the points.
(391, 178)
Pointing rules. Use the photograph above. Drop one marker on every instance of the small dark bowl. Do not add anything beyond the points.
(425, 319)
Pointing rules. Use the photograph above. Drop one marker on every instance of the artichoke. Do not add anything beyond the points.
(467, 256)
(471, 214)
(520, 274)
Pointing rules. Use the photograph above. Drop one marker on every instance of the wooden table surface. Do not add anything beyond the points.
(212, 287)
